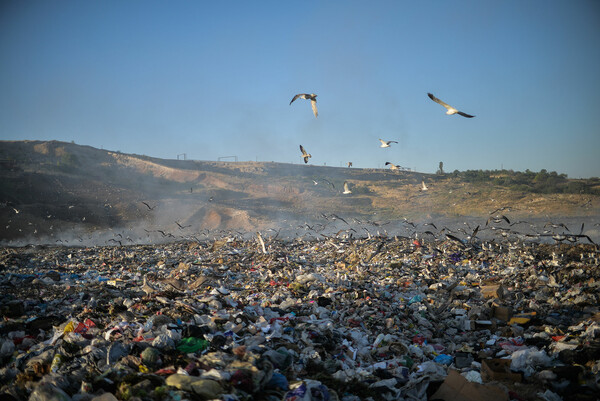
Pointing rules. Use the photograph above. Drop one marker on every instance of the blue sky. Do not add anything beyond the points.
(213, 79)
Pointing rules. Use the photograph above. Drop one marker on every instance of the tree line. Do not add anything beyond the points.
(543, 182)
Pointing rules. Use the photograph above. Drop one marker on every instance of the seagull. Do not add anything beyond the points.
(147, 288)
(182, 227)
(554, 225)
(148, 206)
(305, 155)
(385, 144)
(497, 219)
(335, 216)
(330, 183)
(346, 189)
(313, 101)
(423, 186)
(392, 166)
(451, 110)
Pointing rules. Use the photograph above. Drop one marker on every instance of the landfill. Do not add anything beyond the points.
(336, 318)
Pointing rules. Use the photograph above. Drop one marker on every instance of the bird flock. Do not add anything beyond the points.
(384, 144)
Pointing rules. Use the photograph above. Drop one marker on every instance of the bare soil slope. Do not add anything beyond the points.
(51, 186)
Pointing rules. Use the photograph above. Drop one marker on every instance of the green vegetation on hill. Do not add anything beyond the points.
(542, 182)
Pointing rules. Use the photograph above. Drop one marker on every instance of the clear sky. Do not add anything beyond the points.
(215, 78)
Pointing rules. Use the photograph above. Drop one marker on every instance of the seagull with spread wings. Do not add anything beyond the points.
(305, 154)
(392, 166)
(313, 101)
(451, 110)
(346, 189)
(385, 144)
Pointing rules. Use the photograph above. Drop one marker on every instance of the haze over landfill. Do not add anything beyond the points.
(215, 80)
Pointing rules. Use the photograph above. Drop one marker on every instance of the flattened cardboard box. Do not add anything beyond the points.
(498, 369)
(457, 388)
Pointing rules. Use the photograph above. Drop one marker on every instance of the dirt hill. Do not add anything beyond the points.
(51, 187)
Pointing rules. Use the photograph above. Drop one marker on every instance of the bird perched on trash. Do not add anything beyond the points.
(147, 288)
(313, 101)
(451, 110)
(385, 144)
(305, 154)
(346, 189)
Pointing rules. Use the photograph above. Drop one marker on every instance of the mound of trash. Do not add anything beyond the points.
(333, 319)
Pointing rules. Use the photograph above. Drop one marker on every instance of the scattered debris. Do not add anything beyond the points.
(374, 318)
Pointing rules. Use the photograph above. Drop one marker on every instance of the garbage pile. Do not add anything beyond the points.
(332, 319)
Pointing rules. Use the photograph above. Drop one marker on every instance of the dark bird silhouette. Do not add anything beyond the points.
(474, 234)
(330, 183)
(148, 206)
(455, 239)
(182, 227)
(336, 217)
(313, 101)
(450, 110)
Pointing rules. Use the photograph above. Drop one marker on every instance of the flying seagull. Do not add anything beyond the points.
(392, 166)
(423, 186)
(148, 206)
(313, 101)
(346, 189)
(305, 155)
(497, 219)
(451, 110)
(385, 144)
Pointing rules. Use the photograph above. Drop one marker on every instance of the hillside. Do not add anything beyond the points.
(57, 186)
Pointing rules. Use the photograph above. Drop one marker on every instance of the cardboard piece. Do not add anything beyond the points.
(503, 313)
(498, 369)
(492, 291)
(457, 388)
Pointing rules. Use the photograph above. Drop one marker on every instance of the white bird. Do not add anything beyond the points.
(392, 166)
(385, 144)
(346, 189)
(305, 155)
(423, 186)
(313, 101)
(451, 110)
